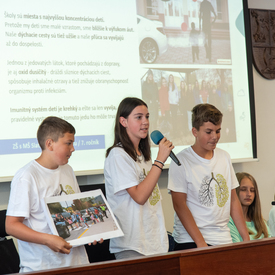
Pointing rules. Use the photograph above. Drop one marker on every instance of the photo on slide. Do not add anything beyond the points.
(172, 93)
(81, 218)
(184, 32)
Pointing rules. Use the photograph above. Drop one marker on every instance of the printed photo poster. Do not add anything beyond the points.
(81, 218)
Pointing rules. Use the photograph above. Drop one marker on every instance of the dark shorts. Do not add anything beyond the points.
(183, 246)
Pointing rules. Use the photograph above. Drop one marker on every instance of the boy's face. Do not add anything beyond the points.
(208, 136)
(63, 149)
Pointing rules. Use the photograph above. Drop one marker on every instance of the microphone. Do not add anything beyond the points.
(157, 136)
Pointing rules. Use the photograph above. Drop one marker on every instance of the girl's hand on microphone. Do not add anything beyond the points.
(165, 148)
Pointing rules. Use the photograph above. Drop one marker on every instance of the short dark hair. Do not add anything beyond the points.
(53, 127)
(205, 113)
(125, 108)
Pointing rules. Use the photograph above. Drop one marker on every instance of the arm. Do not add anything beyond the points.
(141, 192)
(16, 228)
(213, 11)
(186, 218)
(235, 235)
(237, 215)
(200, 12)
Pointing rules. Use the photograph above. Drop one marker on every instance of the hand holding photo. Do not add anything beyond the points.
(81, 218)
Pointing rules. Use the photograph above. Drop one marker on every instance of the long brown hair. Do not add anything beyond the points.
(254, 212)
(125, 108)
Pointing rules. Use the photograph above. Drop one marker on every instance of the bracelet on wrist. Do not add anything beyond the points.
(159, 161)
(157, 166)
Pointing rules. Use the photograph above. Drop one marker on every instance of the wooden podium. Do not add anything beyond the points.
(251, 257)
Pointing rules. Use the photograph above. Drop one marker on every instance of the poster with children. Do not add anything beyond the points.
(81, 218)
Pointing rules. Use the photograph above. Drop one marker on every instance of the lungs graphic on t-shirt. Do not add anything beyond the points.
(155, 196)
(69, 189)
(207, 194)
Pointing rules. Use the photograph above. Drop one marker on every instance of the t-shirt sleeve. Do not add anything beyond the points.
(21, 198)
(234, 181)
(271, 221)
(122, 171)
(177, 178)
(268, 230)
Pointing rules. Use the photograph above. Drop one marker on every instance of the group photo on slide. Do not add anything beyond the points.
(171, 95)
(126, 127)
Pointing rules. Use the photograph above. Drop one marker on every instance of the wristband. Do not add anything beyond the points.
(159, 161)
(157, 166)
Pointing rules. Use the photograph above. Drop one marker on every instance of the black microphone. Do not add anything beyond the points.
(157, 136)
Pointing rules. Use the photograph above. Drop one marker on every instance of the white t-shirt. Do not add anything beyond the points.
(271, 221)
(208, 185)
(29, 186)
(143, 225)
(173, 95)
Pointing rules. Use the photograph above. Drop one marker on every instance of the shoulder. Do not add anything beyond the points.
(184, 158)
(25, 181)
(118, 157)
(26, 171)
(66, 170)
(118, 150)
(66, 167)
(222, 153)
(185, 152)
(187, 156)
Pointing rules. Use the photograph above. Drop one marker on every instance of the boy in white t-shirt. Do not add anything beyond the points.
(203, 187)
(47, 176)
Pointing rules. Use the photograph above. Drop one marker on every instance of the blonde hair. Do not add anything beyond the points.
(254, 210)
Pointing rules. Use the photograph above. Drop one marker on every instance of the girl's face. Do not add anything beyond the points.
(137, 124)
(164, 82)
(247, 192)
(182, 84)
(171, 78)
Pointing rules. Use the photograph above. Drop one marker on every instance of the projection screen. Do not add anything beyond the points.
(79, 59)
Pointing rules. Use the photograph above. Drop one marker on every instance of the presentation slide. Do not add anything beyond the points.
(78, 59)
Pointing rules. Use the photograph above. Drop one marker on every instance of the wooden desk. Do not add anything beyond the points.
(254, 257)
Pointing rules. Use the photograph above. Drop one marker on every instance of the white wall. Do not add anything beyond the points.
(263, 171)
